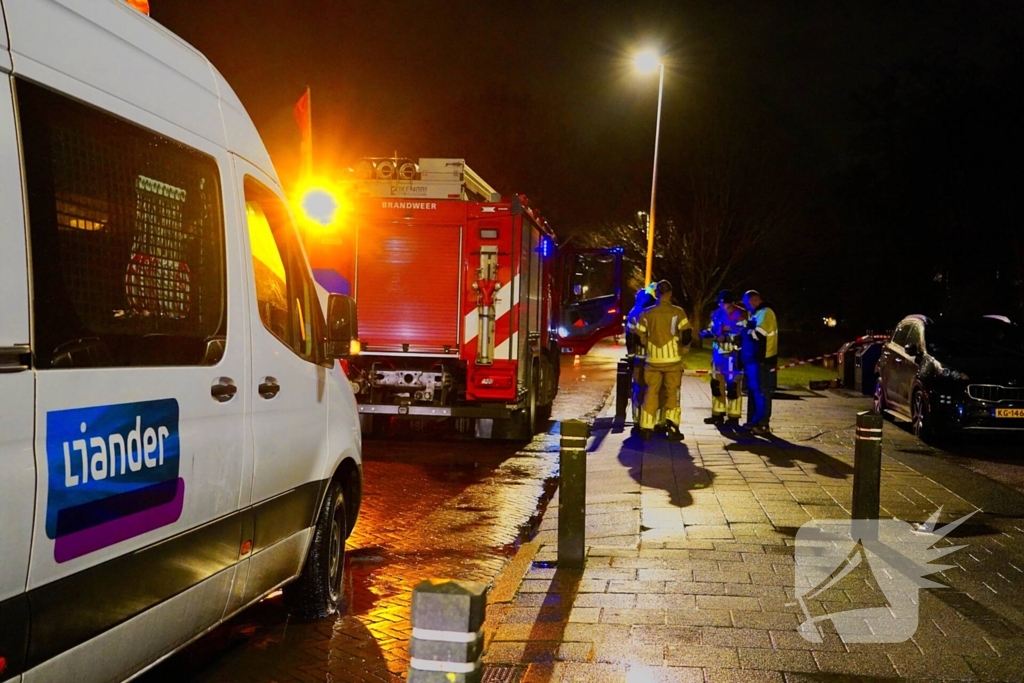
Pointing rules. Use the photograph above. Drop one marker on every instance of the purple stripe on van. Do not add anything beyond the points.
(116, 530)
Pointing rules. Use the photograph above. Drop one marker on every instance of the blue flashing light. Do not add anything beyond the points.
(547, 246)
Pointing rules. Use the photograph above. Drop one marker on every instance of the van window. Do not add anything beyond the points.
(285, 294)
(127, 240)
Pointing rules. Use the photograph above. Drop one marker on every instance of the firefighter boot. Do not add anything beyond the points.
(672, 430)
(714, 419)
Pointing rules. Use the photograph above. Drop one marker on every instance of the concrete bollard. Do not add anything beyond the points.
(572, 494)
(447, 631)
(623, 385)
(867, 466)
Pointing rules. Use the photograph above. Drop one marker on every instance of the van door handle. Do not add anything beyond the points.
(223, 390)
(269, 387)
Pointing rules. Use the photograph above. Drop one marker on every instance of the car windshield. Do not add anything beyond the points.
(977, 339)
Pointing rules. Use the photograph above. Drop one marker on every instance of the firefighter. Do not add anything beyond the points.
(727, 324)
(665, 333)
(759, 354)
(635, 350)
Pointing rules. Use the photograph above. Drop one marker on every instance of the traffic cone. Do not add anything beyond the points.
(576, 361)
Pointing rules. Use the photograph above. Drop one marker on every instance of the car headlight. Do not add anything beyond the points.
(950, 373)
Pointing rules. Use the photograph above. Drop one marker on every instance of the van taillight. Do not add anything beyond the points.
(3, 664)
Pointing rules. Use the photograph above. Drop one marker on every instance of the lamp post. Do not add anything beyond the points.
(646, 62)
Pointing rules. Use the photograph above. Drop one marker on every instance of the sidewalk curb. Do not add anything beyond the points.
(504, 588)
(506, 583)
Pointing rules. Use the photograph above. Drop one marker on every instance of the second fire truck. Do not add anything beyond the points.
(464, 306)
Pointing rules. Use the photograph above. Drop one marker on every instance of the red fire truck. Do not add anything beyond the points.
(464, 305)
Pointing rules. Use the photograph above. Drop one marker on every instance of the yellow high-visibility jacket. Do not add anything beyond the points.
(761, 341)
(662, 328)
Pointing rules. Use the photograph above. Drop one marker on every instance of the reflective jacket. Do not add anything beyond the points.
(761, 340)
(634, 346)
(662, 328)
(730, 325)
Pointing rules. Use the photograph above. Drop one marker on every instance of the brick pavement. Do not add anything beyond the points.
(690, 566)
(432, 507)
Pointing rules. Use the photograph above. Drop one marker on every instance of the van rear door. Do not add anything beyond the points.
(17, 390)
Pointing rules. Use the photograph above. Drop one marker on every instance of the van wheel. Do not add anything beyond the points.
(317, 591)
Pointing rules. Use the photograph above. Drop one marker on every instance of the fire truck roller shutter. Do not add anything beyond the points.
(407, 287)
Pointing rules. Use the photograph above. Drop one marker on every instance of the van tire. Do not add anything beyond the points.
(317, 593)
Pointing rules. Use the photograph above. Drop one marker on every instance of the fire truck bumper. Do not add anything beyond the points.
(484, 412)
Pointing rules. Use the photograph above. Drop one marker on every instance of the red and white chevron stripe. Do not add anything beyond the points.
(506, 326)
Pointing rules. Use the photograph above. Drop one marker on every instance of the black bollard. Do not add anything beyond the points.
(623, 387)
(572, 494)
(447, 632)
(867, 466)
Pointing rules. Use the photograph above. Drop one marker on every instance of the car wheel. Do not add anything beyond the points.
(920, 417)
(880, 404)
(317, 591)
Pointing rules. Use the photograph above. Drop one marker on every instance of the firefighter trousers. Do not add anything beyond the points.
(726, 392)
(638, 387)
(761, 378)
(663, 381)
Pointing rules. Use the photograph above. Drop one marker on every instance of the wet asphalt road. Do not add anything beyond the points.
(435, 505)
(995, 455)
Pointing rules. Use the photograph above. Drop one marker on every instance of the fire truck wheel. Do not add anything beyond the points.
(374, 425)
(544, 415)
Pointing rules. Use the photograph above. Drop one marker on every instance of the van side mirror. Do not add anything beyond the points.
(342, 327)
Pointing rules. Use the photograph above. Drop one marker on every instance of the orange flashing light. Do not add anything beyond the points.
(140, 5)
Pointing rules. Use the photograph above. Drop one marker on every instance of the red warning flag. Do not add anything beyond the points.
(304, 119)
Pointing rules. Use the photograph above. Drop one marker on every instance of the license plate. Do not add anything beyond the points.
(1009, 412)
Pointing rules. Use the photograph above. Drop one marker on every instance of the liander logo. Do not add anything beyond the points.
(881, 562)
(113, 474)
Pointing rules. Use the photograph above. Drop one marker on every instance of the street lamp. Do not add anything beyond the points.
(646, 62)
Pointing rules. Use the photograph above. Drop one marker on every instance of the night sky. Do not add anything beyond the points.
(895, 126)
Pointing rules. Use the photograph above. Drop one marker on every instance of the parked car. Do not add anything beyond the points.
(947, 376)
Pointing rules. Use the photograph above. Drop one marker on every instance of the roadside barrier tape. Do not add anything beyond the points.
(446, 636)
(874, 337)
(443, 667)
(804, 362)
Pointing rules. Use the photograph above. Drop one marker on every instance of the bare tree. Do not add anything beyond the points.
(732, 198)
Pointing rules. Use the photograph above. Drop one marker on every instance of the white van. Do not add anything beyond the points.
(176, 440)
